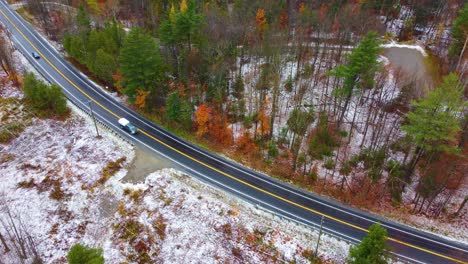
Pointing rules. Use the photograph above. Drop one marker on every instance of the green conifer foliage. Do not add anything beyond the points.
(141, 65)
(81, 254)
(372, 249)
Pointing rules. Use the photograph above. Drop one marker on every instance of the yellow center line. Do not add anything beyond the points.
(221, 172)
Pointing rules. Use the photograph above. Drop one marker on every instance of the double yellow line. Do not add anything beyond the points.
(219, 171)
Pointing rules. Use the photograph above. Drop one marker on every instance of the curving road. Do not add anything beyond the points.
(408, 244)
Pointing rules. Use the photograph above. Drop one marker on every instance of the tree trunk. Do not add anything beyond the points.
(462, 205)
(2, 239)
(462, 52)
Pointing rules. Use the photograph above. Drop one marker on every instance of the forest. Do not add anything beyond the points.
(297, 89)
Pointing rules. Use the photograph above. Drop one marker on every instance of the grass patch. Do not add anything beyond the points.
(25, 14)
(111, 169)
(27, 184)
(11, 131)
(57, 193)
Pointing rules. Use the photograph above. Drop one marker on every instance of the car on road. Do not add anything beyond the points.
(126, 125)
(35, 55)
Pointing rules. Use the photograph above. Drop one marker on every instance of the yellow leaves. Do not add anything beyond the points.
(302, 8)
(172, 14)
(183, 6)
(93, 5)
(140, 100)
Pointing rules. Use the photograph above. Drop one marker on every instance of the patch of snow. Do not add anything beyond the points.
(406, 46)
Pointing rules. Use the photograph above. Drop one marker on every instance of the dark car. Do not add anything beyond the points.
(35, 55)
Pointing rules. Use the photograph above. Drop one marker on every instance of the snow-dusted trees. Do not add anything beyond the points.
(17, 242)
(6, 59)
(358, 72)
(433, 126)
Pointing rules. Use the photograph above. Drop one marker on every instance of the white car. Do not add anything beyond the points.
(126, 125)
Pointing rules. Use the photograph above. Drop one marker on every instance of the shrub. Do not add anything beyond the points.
(27, 184)
(329, 163)
(57, 193)
(81, 254)
(272, 149)
(10, 132)
(45, 100)
(324, 139)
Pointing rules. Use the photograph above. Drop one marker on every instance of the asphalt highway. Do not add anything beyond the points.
(408, 244)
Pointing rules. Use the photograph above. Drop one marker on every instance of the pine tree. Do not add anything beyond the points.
(141, 65)
(188, 23)
(359, 71)
(298, 122)
(433, 123)
(460, 34)
(81, 254)
(83, 21)
(372, 249)
(179, 110)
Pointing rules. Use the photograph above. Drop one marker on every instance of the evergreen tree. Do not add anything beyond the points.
(460, 33)
(188, 23)
(183, 26)
(105, 66)
(298, 122)
(83, 21)
(141, 65)
(81, 254)
(359, 71)
(433, 123)
(179, 110)
(372, 249)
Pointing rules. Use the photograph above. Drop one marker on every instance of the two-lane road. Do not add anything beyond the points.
(408, 244)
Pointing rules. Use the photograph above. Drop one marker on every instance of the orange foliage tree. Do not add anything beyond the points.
(245, 143)
(202, 117)
(219, 129)
(118, 79)
(261, 21)
(264, 123)
(283, 20)
(140, 100)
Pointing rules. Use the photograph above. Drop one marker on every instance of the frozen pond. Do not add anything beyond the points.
(411, 62)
